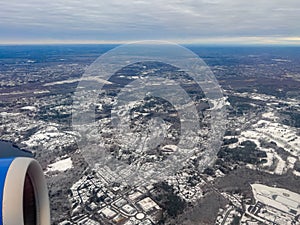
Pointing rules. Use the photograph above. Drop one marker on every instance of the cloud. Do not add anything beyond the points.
(140, 19)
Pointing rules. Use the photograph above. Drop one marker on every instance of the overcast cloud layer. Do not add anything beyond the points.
(263, 21)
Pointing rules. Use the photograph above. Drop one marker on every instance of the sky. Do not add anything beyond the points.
(181, 21)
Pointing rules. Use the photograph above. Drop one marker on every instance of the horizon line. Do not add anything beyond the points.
(235, 41)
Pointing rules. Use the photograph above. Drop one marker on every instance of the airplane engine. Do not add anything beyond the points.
(23, 193)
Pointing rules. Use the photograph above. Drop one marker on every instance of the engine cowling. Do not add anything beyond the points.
(23, 193)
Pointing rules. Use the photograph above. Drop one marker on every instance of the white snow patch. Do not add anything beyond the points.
(291, 162)
(268, 115)
(7, 114)
(70, 81)
(29, 108)
(281, 166)
(41, 92)
(296, 173)
(61, 165)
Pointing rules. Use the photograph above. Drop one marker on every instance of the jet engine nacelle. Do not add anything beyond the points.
(23, 193)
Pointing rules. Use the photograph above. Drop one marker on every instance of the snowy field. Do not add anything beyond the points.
(60, 165)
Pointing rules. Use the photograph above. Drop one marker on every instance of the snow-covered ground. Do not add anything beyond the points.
(60, 165)
(270, 130)
(284, 136)
(50, 137)
(29, 108)
(70, 81)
